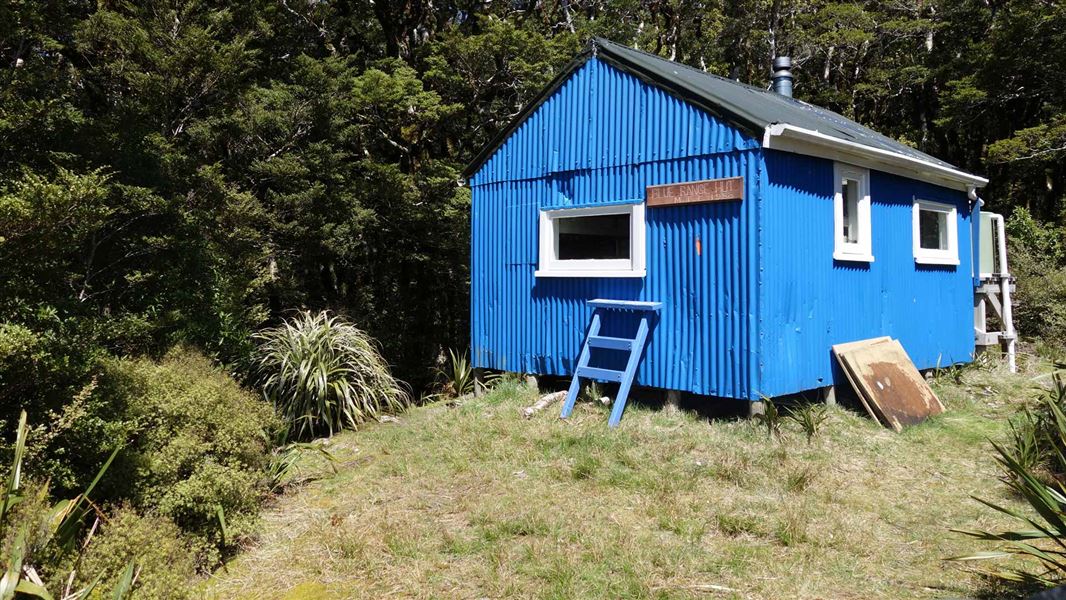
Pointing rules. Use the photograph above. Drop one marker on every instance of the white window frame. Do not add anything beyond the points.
(861, 250)
(550, 265)
(930, 256)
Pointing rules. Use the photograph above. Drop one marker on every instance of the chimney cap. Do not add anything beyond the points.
(782, 76)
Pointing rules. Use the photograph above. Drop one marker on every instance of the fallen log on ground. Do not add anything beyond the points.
(548, 399)
(544, 402)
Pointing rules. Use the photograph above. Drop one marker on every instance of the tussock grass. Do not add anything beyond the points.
(325, 374)
(470, 500)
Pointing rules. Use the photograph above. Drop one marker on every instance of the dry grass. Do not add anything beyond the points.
(474, 501)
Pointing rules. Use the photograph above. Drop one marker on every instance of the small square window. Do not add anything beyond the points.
(851, 214)
(935, 232)
(601, 241)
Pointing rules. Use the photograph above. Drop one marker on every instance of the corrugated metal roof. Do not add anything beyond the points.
(744, 106)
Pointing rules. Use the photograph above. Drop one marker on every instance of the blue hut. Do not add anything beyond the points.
(727, 236)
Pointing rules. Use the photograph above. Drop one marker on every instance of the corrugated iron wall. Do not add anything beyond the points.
(601, 138)
(808, 301)
(601, 117)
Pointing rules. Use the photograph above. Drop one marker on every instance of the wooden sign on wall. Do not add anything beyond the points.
(695, 192)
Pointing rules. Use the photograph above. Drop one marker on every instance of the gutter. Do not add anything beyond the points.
(782, 136)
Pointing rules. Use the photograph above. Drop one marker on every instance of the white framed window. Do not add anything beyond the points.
(851, 214)
(935, 233)
(601, 241)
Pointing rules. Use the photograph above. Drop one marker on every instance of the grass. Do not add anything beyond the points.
(470, 500)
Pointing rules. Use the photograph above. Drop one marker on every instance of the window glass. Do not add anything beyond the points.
(932, 229)
(600, 237)
(849, 190)
(935, 233)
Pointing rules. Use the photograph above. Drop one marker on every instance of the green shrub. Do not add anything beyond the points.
(197, 441)
(324, 375)
(166, 559)
(1037, 258)
(42, 368)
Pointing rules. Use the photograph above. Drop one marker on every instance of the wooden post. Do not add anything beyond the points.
(673, 402)
(829, 395)
(756, 408)
(531, 382)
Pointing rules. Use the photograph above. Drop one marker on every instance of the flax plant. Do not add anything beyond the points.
(1034, 470)
(58, 527)
(324, 375)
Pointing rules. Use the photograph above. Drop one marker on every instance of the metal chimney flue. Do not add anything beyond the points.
(782, 77)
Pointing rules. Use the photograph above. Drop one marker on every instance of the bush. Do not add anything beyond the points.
(166, 560)
(193, 444)
(324, 375)
(1037, 257)
(197, 441)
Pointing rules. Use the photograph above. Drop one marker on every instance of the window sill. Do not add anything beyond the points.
(853, 257)
(590, 273)
(936, 260)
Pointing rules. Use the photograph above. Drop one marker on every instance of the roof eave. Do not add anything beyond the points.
(789, 138)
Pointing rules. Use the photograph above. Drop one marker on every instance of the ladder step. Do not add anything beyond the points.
(625, 304)
(597, 373)
(610, 343)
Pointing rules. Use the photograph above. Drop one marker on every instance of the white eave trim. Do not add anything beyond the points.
(789, 138)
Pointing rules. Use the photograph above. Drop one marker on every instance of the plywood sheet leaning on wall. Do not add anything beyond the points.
(841, 349)
(885, 379)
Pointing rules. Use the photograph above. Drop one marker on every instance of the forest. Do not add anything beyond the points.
(177, 175)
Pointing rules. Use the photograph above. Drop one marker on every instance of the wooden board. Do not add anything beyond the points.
(847, 347)
(695, 192)
(886, 380)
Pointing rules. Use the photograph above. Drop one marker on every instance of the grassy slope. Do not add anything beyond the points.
(474, 501)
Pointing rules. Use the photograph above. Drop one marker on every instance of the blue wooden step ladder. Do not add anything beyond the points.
(634, 345)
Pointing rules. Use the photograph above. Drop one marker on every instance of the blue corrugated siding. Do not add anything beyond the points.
(808, 302)
(601, 138)
(601, 117)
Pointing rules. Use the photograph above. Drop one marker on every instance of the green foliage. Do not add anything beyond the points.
(166, 559)
(593, 391)
(1037, 257)
(192, 440)
(1039, 445)
(456, 377)
(770, 418)
(810, 417)
(1035, 470)
(288, 463)
(38, 538)
(324, 374)
(197, 441)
